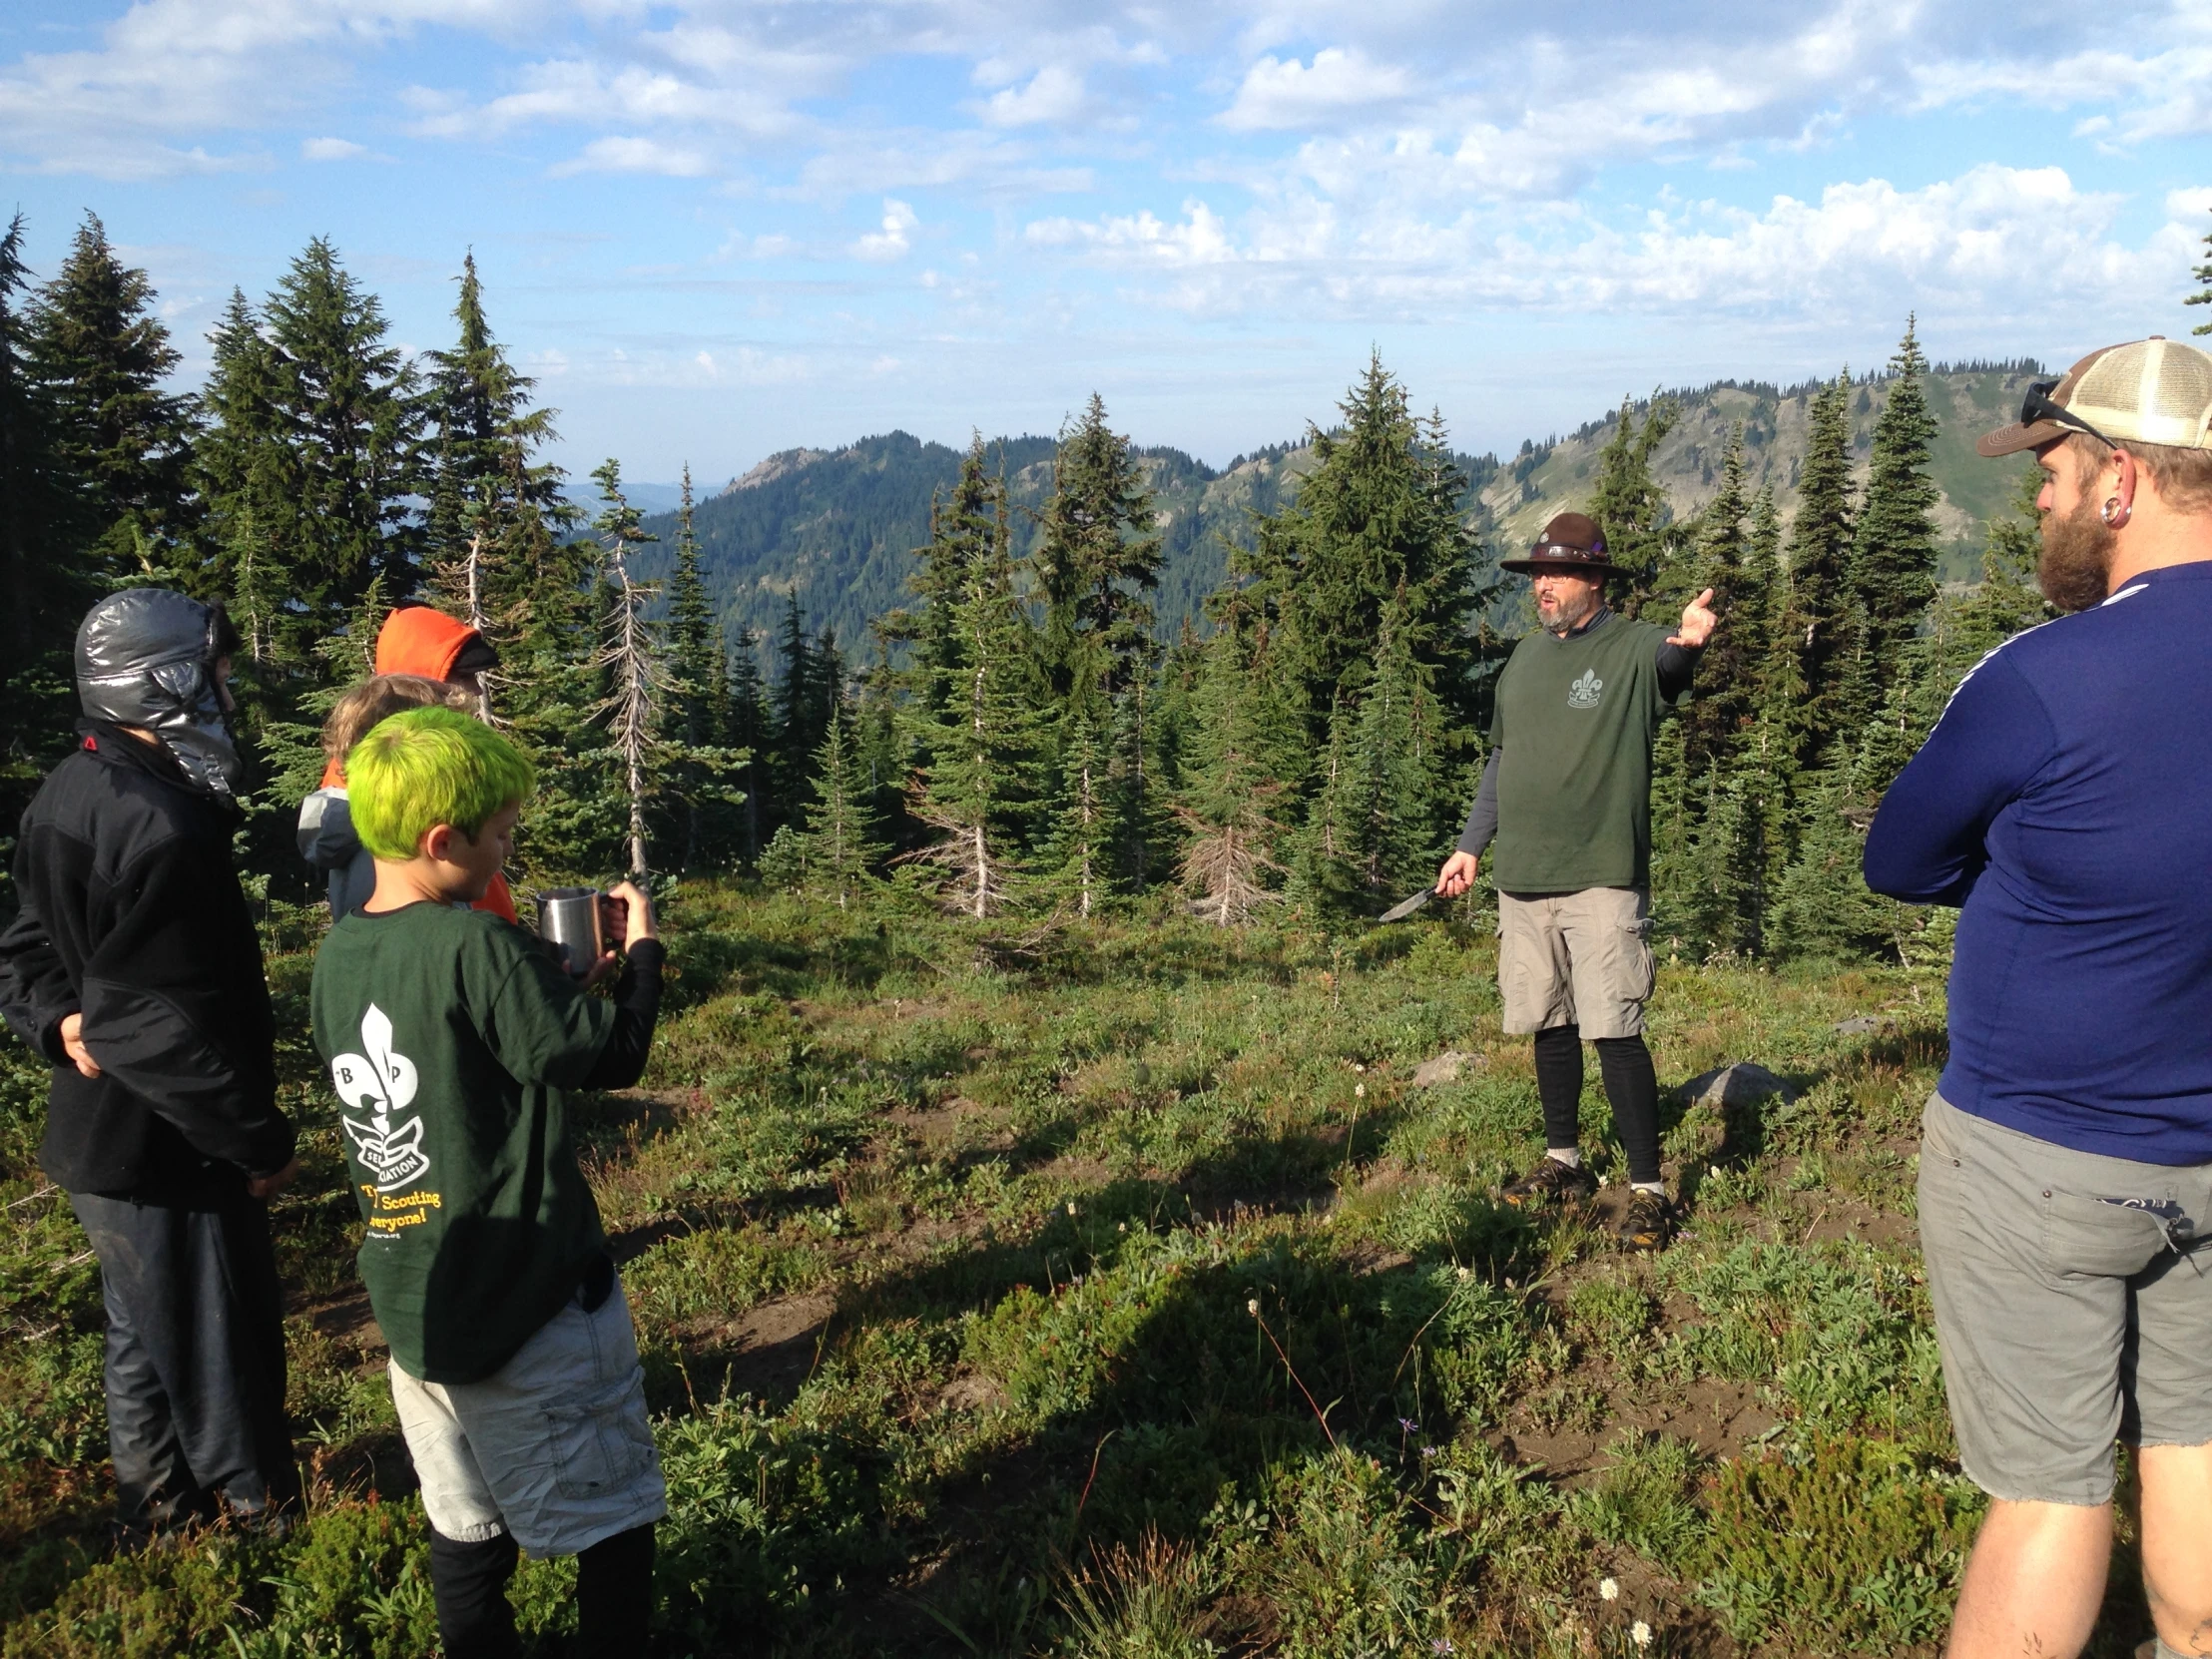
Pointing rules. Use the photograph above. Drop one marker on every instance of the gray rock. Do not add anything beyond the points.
(1858, 1025)
(1741, 1084)
(1445, 1068)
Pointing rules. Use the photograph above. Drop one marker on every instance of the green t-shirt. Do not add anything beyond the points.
(451, 1036)
(1576, 722)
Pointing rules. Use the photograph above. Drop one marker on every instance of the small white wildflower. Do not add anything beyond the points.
(1360, 1091)
(1253, 1307)
(1122, 1228)
(1071, 1205)
(1608, 1589)
(1640, 1633)
(1463, 1272)
(1716, 1172)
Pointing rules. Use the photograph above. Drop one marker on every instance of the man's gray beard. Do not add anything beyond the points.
(2076, 567)
(1560, 623)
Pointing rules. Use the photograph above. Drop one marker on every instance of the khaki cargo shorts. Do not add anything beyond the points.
(1575, 958)
(554, 1447)
(2074, 1304)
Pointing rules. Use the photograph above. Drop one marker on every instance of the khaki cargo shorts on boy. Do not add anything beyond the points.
(554, 1447)
(2074, 1304)
(1575, 958)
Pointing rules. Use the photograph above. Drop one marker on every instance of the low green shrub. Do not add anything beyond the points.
(1843, 1546)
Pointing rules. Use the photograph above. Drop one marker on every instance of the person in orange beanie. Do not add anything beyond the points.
(419, 640)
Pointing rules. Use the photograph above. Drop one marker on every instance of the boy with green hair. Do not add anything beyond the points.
(451, 1039)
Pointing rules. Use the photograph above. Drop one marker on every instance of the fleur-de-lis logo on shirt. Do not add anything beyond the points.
(381, 1084)
(1584, 694)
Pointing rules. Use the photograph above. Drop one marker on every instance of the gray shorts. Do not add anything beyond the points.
(1575, 958)
(554, 1447)
(2070, 1307)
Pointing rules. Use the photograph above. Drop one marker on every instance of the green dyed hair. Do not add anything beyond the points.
(427, 766)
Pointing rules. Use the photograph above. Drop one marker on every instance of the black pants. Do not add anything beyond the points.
(196, 1359)
(614, 1596)
(1631, 1088)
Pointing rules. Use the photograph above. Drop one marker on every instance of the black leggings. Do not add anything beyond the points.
(614, 1596)
(1631, 1085)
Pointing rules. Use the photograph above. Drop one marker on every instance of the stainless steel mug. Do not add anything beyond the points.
(569, 919)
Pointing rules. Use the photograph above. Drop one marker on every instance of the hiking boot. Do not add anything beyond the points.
(1550, 1182)
(1649, 1222)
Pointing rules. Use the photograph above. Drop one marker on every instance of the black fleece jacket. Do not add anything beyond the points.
(132, 916)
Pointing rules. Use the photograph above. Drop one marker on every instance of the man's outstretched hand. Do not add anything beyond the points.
(1457, 876)
(1698, 622)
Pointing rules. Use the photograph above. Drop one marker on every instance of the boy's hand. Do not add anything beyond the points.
(630, 914)
(268, 1186)
(73, 1045)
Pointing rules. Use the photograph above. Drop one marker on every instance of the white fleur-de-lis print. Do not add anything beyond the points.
(1584, 693)
(381, 1083)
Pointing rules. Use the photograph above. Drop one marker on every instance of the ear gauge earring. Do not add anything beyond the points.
(2115, 513)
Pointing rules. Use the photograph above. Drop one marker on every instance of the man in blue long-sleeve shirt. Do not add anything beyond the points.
(2064, 801)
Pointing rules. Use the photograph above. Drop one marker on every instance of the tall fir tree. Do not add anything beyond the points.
(697, 679)
(976, 721)
(2203, 295)
(1097, 560)
(747, 730)
(1892, 577)
(835, 854)
(48, 583)
(1628, 503)
(1233, 790)
(487, 489)
(1376, 524)
(1817, 618)
(103, 358)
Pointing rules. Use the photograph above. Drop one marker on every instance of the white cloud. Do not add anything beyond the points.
(1996, 242)
(1279, 94)
(891, 243)
(330, 150)
(1055, 95)
(632, 154)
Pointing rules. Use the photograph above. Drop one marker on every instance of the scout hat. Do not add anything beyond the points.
(2153, 390)
(1571, 541)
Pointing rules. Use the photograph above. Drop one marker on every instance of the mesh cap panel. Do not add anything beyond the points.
(2153, 390)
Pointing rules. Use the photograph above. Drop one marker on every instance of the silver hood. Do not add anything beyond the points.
(146, 656)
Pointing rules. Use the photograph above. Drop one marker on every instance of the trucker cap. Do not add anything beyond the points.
(2153, 390)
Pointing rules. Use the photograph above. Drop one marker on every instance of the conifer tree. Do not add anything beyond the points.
(1377, 523)
(1893, 547)
(101, 357)
(48, 586)
(698, 681)
(1230, 791)
(1726, 683)
(1818, 563)
(1081, 851)
(834, 853)
(1099, 557)
(313, 462)
(747, 730)
(2203, 295)
(1629, 505)
(977, 721)
(485, 488)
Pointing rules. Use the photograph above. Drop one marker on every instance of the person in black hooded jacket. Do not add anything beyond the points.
(134, 968)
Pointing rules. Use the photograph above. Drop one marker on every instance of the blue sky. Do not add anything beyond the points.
(714, 229)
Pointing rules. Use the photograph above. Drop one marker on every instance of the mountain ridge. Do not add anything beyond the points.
(837, 527)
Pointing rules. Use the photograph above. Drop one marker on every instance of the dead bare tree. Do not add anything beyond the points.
(630, 657)
(1223, 865)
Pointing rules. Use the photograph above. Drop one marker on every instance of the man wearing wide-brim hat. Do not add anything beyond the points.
(1566, 797)
(2064, 803)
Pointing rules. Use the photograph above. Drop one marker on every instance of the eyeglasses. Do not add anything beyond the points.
(2037, 405)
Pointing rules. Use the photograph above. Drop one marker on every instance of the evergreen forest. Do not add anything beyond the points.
(1014, 734)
